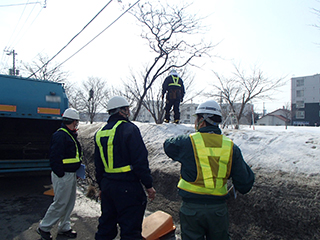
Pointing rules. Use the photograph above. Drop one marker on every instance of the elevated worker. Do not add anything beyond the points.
(122, 167)
(173, 86)
(65, 159)
(208, 159)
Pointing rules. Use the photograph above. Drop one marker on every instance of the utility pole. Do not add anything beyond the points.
(13, 71)
(252, 116)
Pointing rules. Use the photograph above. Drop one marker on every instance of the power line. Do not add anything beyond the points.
(17, 23)
(71, 39)
(29, 26)
(15, 35)
(19, 4)
(13, 42)
(98, 34)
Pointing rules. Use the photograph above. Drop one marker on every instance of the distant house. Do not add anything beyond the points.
(280, 117)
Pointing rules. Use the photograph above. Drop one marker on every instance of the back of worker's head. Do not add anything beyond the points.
(173, 72)
(210, 112)
(116, 103)
(70, 115)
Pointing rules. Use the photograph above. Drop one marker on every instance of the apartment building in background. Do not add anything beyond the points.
(305, 100)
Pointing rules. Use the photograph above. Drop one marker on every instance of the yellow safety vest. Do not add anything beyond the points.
(71, 160)
(213, 155)
(175, 81)
(110, 133)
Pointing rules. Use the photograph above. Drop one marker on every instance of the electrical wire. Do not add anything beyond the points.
(19, 4)
(17, 24)
(91, 39)
(71, 39)
(18, 40)
(30, 25)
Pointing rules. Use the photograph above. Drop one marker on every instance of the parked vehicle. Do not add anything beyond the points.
(30, 112)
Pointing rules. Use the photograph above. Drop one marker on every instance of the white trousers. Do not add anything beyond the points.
(63, 202)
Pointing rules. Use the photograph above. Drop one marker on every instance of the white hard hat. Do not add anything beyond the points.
(209, 107)
(117, 102)
(173, 72)
(71, 113)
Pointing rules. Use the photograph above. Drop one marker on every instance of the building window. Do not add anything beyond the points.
(300, 93)
(188, 109)
(300, 82)
(299, 114)
(300, 104)
(188, 116)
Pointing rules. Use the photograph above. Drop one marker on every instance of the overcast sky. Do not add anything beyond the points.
(275, 35)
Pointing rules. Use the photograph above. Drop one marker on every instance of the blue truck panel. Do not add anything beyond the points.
(31, 98)
(30, 112)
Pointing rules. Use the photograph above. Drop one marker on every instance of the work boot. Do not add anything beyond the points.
(44, 235)
(166, 121)
(70, 233)
(176, 121)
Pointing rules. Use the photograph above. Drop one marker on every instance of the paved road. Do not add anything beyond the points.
(23, 204)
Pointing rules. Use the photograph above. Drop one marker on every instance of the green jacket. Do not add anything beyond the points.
(180, 149)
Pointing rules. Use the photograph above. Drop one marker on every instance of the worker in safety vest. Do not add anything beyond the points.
(122, 167)
(65, 160)
(173, 86)
(208, 159)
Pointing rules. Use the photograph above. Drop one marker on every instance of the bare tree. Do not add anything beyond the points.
(75, 97)
(92, 97)
(166, 29)
(50, 72)
(240, 89)
(287, 111)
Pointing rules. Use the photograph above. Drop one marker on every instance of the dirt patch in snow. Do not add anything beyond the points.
(280, 206)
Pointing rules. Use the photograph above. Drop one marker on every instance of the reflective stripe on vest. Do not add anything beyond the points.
(110, 133)
(175, 81)
(71, 160)
(213, 155)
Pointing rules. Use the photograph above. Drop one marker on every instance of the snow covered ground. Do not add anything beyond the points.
(295, 149)
(272, 148)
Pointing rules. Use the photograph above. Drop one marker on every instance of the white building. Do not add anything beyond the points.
(187, 111)
(305, 100)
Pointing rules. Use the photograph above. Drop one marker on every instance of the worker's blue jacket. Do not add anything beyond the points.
(128, 149)
(180, 149)
(63, 147)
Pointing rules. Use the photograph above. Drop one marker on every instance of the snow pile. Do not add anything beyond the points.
(271, 148)
(295, 149)
(86, 207)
